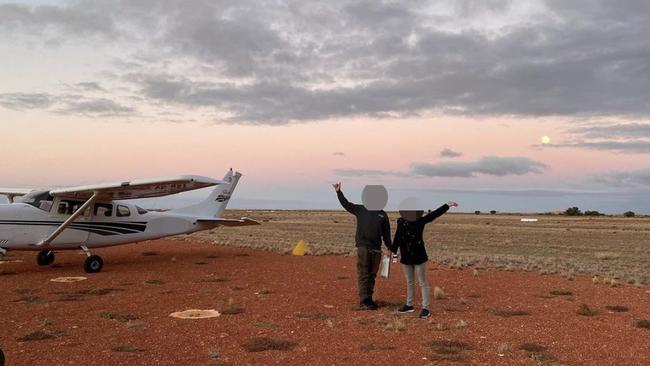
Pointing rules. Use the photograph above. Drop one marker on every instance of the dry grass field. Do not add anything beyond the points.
(614, 249)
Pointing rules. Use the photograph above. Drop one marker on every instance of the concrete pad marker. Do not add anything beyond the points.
(11, 261)
(529, 220)
(68, 279)
(195, 314)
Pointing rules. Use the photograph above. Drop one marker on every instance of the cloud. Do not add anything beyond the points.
(538, 192)
(71, 104)
(626, 147)
(100, 107)
(78, 18)
(626, 138)
(490, 165)
(89, 86)
(275, 62)
(449, 153)
(22, 101)
(636, 178)
(365, 173)
(614, 130)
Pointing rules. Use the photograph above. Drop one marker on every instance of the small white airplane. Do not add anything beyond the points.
(96, 216)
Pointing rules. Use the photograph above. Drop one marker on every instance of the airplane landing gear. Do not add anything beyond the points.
(93, 263)
(45, 258)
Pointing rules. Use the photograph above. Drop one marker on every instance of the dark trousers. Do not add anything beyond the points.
(367, 266)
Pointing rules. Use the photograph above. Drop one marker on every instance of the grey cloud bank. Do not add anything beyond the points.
(275, 63)
(489, 165)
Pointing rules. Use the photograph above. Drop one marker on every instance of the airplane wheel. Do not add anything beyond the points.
(93, 264)
(50, 257)
(42, 258)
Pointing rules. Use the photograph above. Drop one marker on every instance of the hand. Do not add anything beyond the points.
(337, 186)
(452, 204)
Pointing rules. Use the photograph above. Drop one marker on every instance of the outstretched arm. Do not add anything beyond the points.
(347, 205)
(439, 212)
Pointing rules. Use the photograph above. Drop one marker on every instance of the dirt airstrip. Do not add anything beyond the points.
(285, 310)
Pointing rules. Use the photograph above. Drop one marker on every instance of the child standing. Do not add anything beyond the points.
(409, 241)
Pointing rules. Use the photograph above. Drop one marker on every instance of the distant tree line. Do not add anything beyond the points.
(575, 211)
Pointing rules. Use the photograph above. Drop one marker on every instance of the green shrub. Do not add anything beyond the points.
(629, 214)
(573, 211)
(593, 213)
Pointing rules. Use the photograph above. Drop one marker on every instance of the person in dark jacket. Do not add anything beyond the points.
(409, 241)
(372, 227)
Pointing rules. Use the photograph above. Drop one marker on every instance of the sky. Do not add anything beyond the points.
(439, 101)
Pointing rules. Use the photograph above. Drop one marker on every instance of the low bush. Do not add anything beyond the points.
(261, 344)
(507, 313)
(584, 310)
(617, 308)
(643, 323)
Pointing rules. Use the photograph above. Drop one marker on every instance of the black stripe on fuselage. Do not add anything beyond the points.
(101, 228)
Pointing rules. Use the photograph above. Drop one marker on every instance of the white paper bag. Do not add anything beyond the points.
(384, 268)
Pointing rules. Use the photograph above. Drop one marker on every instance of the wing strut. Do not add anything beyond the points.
(70, 219)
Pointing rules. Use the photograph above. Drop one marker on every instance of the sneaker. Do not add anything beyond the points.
(406, 309)
(424, 314)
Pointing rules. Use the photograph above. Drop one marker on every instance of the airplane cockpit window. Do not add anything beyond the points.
(39, 199)
(69, 207)
(141, 210)
(103, 210)
(63, 208)
(123, 211)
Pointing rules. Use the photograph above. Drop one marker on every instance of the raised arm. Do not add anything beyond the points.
(439, 212)
(347, 205)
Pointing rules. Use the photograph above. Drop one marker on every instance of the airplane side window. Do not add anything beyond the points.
(103, 210)
(141, 210)
(123, 211)
(63, 208)
(45, 205)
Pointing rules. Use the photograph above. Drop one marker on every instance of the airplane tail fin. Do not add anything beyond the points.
(215, 204)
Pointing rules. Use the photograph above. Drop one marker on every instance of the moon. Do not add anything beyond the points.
(546, 140)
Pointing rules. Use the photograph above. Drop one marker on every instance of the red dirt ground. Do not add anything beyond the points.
(333, 333)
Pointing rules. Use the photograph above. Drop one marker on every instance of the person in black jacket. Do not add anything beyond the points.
(372, 227)
(408, 239)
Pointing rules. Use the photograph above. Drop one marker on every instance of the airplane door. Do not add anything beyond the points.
(73, 235)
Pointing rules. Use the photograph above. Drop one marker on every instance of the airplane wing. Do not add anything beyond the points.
(142, 188)
(14, 191)
(244, 221)
(10, 193)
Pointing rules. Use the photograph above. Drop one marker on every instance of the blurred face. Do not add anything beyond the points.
(374, 197)
(410, 215)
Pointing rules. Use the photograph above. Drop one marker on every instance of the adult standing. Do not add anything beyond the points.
(372, 227)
